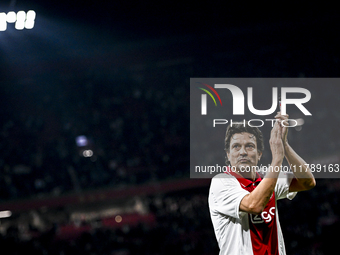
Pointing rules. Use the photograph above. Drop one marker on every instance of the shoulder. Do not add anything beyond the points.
(285, 178)
(282, 185)
(223, 180)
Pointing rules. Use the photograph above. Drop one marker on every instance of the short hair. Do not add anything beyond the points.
(237, 128)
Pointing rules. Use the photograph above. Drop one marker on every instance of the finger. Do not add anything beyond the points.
(275, 128)
(283, 119)
(284, 116)
(276, 134)
(278, 121)
(285, 123)
(279, 133)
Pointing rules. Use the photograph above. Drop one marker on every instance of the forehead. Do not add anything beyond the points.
(243, 138)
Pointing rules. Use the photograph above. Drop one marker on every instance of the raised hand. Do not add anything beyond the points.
(284, 130)
(276, 143)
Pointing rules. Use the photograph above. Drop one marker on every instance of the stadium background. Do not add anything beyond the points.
(118, 73)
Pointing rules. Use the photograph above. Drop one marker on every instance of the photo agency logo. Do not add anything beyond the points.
(204, 97)
(238, 103)
(216, 103)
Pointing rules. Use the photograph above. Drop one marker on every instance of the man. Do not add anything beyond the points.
(243, 205)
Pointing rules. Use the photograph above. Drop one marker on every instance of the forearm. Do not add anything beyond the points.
(299, 167)
(256, 201)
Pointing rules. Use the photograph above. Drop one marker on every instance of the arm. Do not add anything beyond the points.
(304, 179)
(256, 200)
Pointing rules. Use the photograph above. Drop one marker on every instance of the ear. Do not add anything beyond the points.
(260, 155)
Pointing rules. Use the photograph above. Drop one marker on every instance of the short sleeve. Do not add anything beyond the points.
(282, 186)
(225, 195)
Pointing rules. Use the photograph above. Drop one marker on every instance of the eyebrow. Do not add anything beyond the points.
(250, 142)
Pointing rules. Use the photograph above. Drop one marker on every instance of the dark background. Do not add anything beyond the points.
(119, 74)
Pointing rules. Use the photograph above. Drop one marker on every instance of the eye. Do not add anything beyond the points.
(251, 146)
(236, 146)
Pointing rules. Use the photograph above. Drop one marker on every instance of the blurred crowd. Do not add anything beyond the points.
(182, 226)
(136, 133)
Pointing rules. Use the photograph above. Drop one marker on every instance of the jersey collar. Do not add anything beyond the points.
(245, 182)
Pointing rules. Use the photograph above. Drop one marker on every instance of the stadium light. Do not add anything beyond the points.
(30, 18)
(5, 214)
(21, 19)
(11, 17)
(87, 153)
(3, 21)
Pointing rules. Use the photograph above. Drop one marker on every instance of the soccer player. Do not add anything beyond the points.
(243, 205)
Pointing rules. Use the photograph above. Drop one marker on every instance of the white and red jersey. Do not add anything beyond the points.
(244, 233)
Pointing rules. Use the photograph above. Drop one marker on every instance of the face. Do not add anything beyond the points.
(243, 151)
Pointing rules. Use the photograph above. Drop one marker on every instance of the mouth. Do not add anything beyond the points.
(243, 160)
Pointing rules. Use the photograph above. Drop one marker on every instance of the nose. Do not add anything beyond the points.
(243, 151)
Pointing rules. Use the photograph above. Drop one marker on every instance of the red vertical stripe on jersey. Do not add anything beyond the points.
(263, 230)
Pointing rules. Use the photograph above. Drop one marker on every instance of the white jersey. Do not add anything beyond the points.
(240, 232)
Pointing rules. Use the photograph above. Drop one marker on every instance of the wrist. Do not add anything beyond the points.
(274, 169)
(277, 161)
(286, 147)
